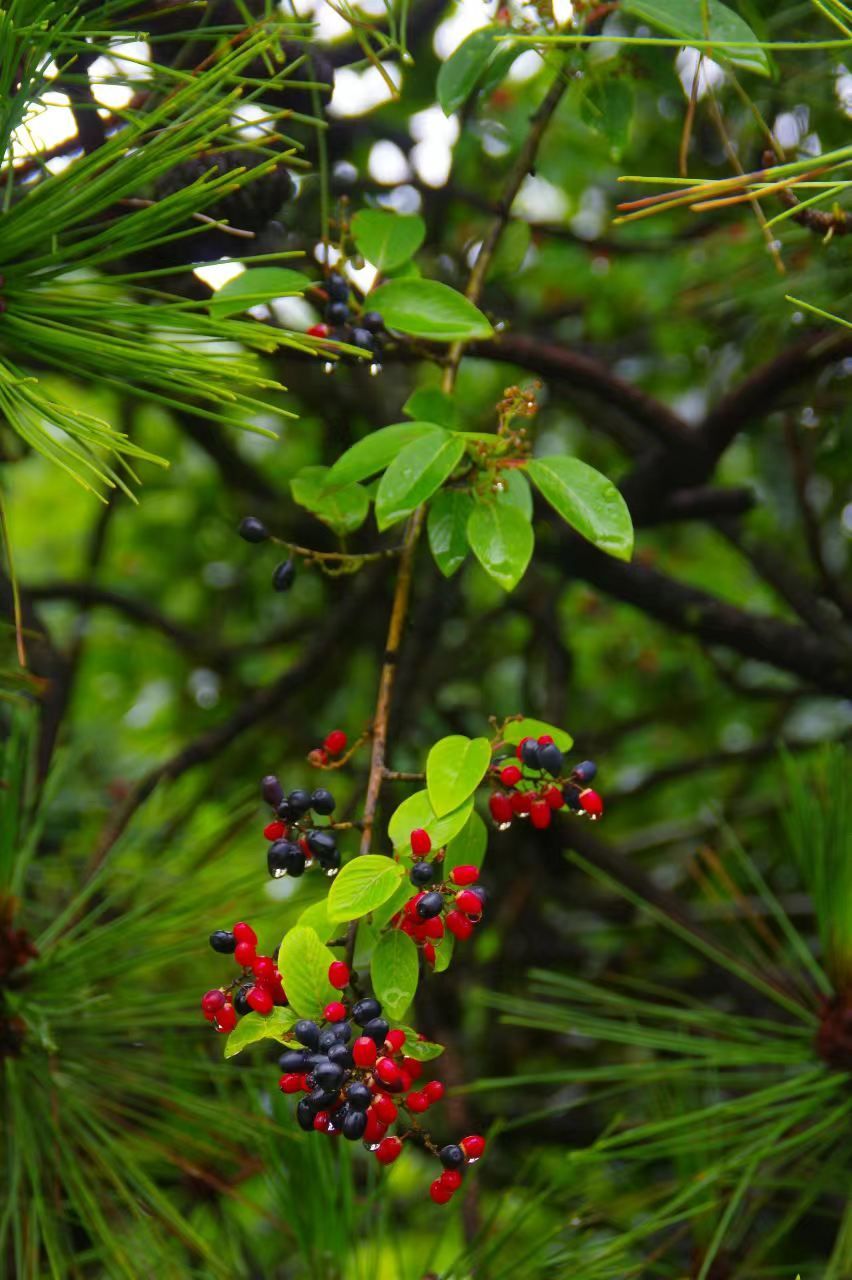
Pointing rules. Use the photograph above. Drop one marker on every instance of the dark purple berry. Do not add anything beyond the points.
(322, 802)
(359, 1096)
(252, 529)
(305, 1115)
(377, 1029)
(586, 771)
(354, 1125)
(571, 795)
(223, 941)
(299, 802)
(341, 1054)
(366, 1009)
(364, 339)
(336, 313)
(451, 1156)
(327, 1075)
(284, 858)
(241, 1003)
(431, 904)
(284, 575)
(271, 790)
(307, 1033)
(372, 321)
(338, 287)
(293, 1062)
(551, 758)
(531, 754)
(422, 873)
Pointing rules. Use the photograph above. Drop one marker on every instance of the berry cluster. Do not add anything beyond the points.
(251, 529)
(455, 903)
(358, 1082)
(537, 785)
(366, 332)
(295, 842)
(258, 988)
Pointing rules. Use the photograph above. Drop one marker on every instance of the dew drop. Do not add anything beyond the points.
(375, 369)
(328, 367)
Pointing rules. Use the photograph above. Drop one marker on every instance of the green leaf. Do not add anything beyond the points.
(254, 287)
(374, 452)
(516, 492)
(446, 526)
(343, 509)
(316, 917)
(685, 19)
(587, 500)
(421, 1050)
(364, 883)
(529, 728)
(467, 66)
(387, 239)
(431, 405)
(416, 812)
(444, 953)
(304, 962)
(511, 250)
(467, 849)
(255, 1026)
(429, 309)
(393, 971)
(454, 769)
(385, 913)
(415, 474)
(502, 540)
(607, 107)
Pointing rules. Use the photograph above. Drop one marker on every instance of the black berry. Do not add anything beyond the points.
(253, 530)
(551, 759)
(285, 858)
(377, 1029)
(322, 802)
(571, 796)
(364, 339)
(322, 845)
(336, 313)
(354, 1125)
(431, 904)
(282, 578)
(531, 753)
(372, 321)
(366, 1009)
(359, 1096)
(305, 1115)
(328, 1075)
(293, 1062)
(338, 287)
(342, 1032)
(223, 941)
(307, 1033)
(299, 802)
(271, 790)
(241, 1003)
(586, 771)
(341, 1054)
(451, 1156)
(422, 873)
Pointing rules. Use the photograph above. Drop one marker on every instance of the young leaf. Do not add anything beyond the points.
(363, 884)
(528, 728)
(254, 287)
(516, 492)
(429, 309)
(502, 540)
(432, 405)
(387, 239)
(587, 500)
(685, 19)
(415, 474)
(304, 962)
(255, 1026)
(416, 812)
(446, 526)
(343, 509)
(467, 849)
(421, 1050)
(316, 917)
(472, 63)
(393, 971)
(444, 953)
(374, 452)
(454, 769)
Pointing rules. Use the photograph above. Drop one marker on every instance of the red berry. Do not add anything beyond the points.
(464, 875)
(260, 1000)
(264, 970)
(434, 1091)
(554, 797)
(545, 740)
(364, 1052)
(510, 775)
(321, 1121)
(318, 331)
(226, 1018)
(212, 1002)
(501, 807)
(274, 830)
(429, 954)
(335, 742)
(592, 803)
(459, 925)
(290, 1083)
(375, 1130)
(396, 1039)
(245, 954)
(338, 974)
(318, 757)
(540, 814)
(388, 1072)
(244, 933)
(417, 1102)
(452, 1179)
(385, 1108)
(473, 1146)
(421, 842)
(406, 1080)
(440, 1193)
(433, 928)
(469, 902)
(521, 801)
(334, 1012)
(412, 1068)
(389, 1149)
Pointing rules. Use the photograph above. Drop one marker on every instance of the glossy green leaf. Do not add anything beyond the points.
(516, 492)
(374, 452)
(446, 526)
(431, 405)
(477, 61)
(343, 509)
(316, 917)
(303, 962)
(501, 538)
(467, 849)
(529, 728)
(255, 287)
(421, 1050)
(429, 309)
(685, 19)
(416, 811)
(587, 500)
(444, 953)
(394, 969)
(454, 769)
(387, 239)
(253, 1027)
(363, 884)
(415, 474)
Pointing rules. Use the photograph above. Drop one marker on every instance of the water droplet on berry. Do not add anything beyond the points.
(328, 368)
(375, 369)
